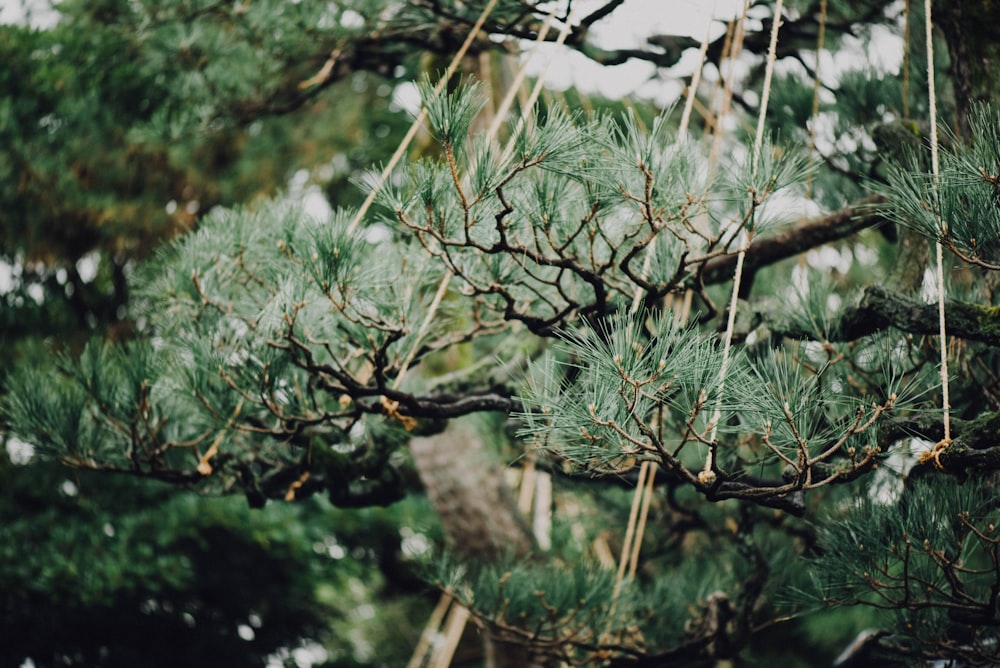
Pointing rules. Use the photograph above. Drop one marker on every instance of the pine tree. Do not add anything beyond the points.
(618, 303)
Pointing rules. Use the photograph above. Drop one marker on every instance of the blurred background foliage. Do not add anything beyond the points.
(115, 136)
(100, 571)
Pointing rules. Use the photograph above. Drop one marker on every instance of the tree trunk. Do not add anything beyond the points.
(481, 521)
(466, 486)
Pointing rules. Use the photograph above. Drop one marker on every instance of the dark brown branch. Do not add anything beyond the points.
(439, 405)
(880, 309)
(767, 250)
(975, 443)
(600, 13)
(793, 503)
(666, 50)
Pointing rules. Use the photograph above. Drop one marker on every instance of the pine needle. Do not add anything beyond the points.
(418, 121)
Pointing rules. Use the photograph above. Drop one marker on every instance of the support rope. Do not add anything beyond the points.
(536, 91)
(906, 58)
(735, 48)
(707, 475)
(942, 335)
(682, 130)
(430, 631)
(515, 86)
(642, 495)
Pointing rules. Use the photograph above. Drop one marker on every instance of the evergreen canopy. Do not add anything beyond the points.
(571, 286)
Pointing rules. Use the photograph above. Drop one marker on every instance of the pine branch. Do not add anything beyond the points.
(446, 405)
(600, 13)
(793, 504)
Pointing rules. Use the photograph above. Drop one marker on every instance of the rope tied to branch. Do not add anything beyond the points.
(707, 474)
(936, 452)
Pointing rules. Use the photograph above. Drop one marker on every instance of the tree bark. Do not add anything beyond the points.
(469, 493)
(880, 309)
(478, 510)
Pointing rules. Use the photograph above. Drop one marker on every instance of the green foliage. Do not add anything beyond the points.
(450, 115)
(620, 377)
(222, 301)
(791, 105)
(958, 207)
(550, 599)
(930, 553)
(125, 122)
(604, 398)
(865, 93)
(110, 572)
(267, 353)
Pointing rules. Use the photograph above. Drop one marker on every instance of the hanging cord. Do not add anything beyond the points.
(535, 487)
(419, 120)
(442, 288)
(726, 103)
(491, 133)
(394, 160)
(820, 39)
(766, 94)
(430, 631)
(707, 475)
(640, 528)
(943, 444)
(451, 635)
(712, 118)
(536, 91)
(682, 135)
(682, 130)
(515, 86)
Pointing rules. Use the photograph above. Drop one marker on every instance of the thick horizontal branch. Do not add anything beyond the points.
(442, 405)
(880, 309)
(798, 239)
(792, 503)
(975, 443)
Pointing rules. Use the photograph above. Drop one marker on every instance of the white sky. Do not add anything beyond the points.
(38, 12)
(628, 26)
(654, 16)
(635, 20)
